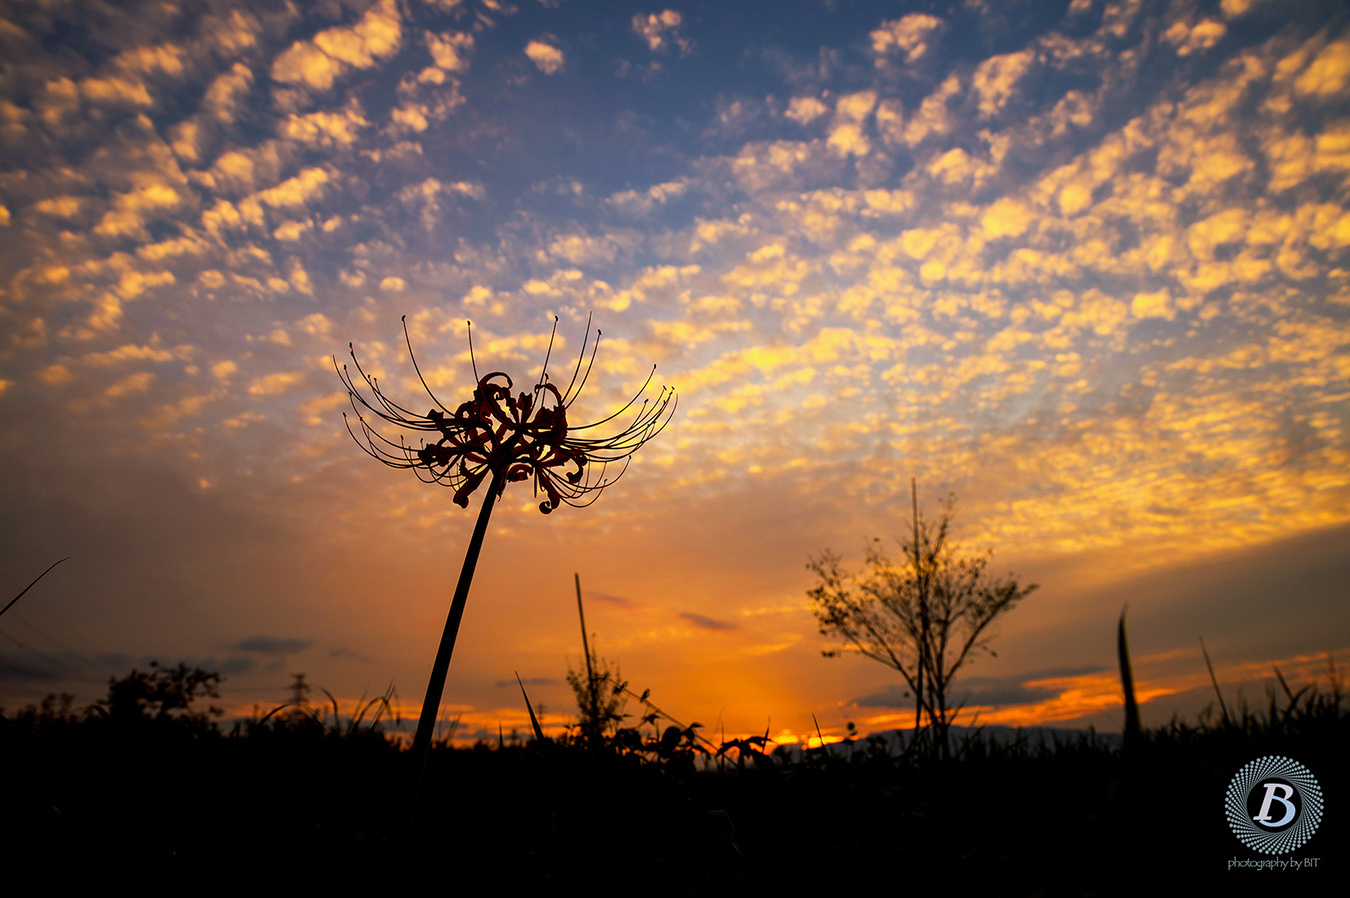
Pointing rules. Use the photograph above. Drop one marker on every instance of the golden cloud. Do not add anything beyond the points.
(319, 62)
(546, 57)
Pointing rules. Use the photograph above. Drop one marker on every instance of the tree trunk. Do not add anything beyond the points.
(921, 585)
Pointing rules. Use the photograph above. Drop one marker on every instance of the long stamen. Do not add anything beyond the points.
(408, 340)
(497, 431)
(471, 359)
(594, 348)
(625, 407)
(543, 373)
(581, 357)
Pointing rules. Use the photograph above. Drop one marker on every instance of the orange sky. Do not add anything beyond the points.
(1086, 265)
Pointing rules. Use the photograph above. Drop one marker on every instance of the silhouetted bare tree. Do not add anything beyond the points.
(924, 617)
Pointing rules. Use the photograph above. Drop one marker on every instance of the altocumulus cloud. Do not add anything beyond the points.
(1085, 265)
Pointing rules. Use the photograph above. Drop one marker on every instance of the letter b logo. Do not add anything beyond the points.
(1273, 805)
(1276, 792)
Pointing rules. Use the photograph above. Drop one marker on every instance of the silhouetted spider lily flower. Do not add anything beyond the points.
(509, 438)
(515, 437)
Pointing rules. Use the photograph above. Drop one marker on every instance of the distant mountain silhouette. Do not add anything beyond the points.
(1036, 737)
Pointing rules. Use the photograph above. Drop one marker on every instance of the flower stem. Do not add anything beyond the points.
(426, 724)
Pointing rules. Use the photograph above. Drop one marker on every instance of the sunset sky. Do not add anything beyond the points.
(1085, 265)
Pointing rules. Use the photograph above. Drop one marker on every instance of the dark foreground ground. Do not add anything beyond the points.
(166, 805)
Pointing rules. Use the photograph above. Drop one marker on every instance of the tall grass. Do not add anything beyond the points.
(1057, 816)
(327, 718)
(22, 592)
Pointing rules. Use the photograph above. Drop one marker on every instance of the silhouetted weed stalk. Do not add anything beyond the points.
(601, 695)
(10, 603)
(1127, 682)
(502, 438)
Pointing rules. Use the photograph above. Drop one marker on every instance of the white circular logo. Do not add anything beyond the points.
(1273, 804)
